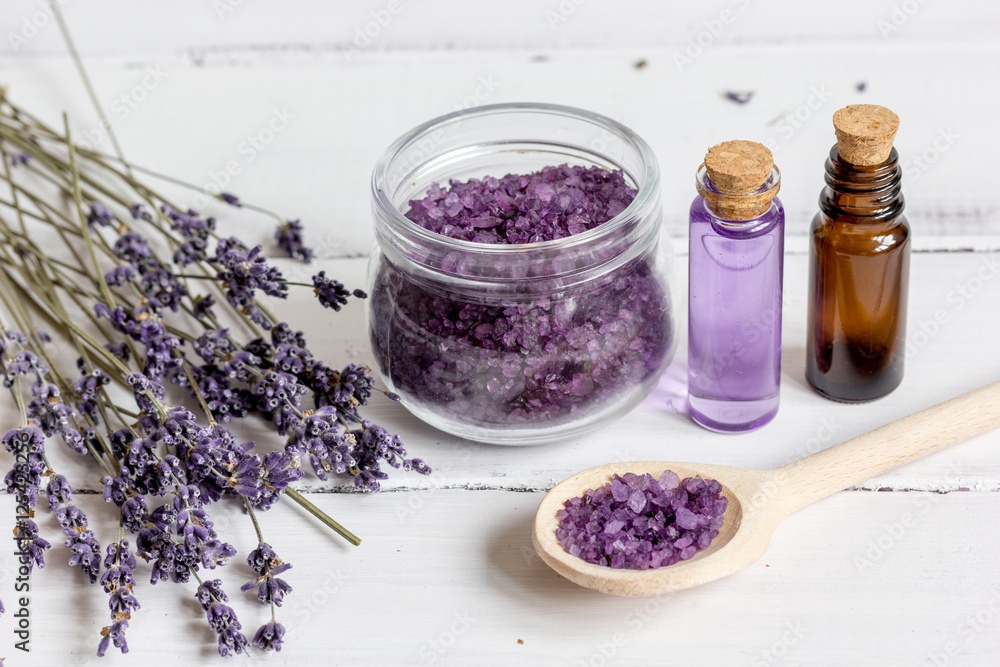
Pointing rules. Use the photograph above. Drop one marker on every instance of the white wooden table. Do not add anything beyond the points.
(900, 571)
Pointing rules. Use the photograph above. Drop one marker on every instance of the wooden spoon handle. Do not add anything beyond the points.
(807, 480)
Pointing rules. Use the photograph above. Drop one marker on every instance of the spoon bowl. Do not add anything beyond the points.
(759, 500)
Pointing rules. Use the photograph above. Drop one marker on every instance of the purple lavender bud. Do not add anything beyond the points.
(132, 248)
(289, 238)
(203, 305)
(24, 441)
(282, 334)
(189, 224)
(86, 553)
(27, 541)
(120, 275)
(265, 562)
(139, 212)
(278, 397)
(59, 491)
(25, 363)
(739, 96)
(19, 159)
(113, 633)
(99, 215)
(243, 273)
(331, 293)
(191, 251)
(269, 636)
(212, 344)
(162, 290)
(230, 199)
(221, 618)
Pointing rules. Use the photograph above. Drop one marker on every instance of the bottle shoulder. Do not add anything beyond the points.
(770, 222)
(854, 237)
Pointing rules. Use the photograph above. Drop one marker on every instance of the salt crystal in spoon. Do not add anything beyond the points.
(759, 500)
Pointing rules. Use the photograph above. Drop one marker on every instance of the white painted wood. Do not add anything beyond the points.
(192, 122)
(863, 579)
(164, 27)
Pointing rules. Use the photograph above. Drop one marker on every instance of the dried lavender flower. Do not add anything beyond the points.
(99, 215)
(739, 96)
(269, 636)
(289, 238)
(222, 618)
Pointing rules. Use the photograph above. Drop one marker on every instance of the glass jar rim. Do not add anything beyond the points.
(647, 190)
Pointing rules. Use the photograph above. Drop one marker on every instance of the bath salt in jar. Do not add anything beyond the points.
(502, 307)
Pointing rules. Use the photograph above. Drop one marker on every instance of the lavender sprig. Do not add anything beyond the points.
(155, 300)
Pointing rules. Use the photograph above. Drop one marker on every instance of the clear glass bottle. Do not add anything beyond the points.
(734, 304)
(858, 282)
(519, 344)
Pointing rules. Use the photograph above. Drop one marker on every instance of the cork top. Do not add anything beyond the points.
(738, 167)
(865, 133)
(738, 170)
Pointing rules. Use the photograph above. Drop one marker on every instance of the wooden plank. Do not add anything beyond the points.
(302, 26)
(450, 578)
(213, 125)
(946, 359)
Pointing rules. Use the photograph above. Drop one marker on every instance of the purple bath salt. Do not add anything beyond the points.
(542, 352)
(553, 203)
(638, 522)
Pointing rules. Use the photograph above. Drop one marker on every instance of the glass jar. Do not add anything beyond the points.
(527, 343)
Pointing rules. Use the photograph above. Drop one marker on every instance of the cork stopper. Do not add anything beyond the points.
(865, 133)
(738, 170)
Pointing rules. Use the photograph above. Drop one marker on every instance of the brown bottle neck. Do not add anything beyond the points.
(872, 194)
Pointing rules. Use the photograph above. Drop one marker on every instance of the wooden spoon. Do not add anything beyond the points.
(760, 499)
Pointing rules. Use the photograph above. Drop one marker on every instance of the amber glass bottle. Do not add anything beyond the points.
(859, 271)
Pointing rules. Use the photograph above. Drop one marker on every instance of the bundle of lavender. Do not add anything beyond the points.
(166, 318)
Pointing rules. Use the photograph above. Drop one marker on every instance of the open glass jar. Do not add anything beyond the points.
(527, 343)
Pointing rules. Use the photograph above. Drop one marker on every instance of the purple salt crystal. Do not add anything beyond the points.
(639, 522)
(686, 519)
(538, 359)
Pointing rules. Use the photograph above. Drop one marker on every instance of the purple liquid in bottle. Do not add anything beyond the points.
(734, 318)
